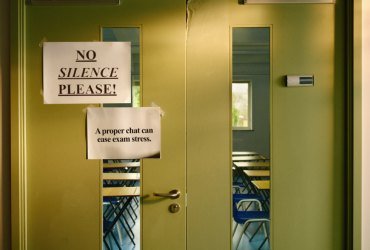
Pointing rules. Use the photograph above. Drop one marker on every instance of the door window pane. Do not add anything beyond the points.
(251, 147)
(121, 178)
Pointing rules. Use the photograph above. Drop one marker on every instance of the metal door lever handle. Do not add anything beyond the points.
(173, 194)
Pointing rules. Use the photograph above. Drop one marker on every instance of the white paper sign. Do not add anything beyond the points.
(87, 72)
(123, 133)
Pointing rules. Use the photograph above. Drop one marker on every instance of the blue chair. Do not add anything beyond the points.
(114, 210)
(108, 229)
(244, 217)
(109, 225)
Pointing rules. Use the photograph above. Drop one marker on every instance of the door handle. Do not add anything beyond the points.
(173, 194)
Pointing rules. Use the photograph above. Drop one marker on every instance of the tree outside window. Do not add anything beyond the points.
(242, 106)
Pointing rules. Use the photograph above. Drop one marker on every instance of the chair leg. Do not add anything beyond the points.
(255, 232)
(133, 211)
(263, 243)
(246, 224)
(265, 230)
(128, 231)
(117, 217)
(119, 231)
(235, 227)
(115, 240)
(111, 233)
(110, 241)
(106, 244)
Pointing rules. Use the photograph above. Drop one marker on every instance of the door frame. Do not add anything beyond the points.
(271, 91)
(18, 123)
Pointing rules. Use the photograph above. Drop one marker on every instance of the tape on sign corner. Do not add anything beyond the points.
(41, 43)
(153, 104)
(84, 110)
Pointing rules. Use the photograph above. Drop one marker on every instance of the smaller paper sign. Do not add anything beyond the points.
(123, 133)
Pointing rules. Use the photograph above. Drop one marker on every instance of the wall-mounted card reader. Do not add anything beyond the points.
(300, 81)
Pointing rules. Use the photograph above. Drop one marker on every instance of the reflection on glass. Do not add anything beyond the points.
(251, 146)
(121, 178)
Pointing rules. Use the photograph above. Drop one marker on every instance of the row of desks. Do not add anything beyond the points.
(248, 158)
(121, 165)
(121, 191)
(235, 153)
(262, 184)
(254, 166)
(257, 173)
(244, 160)
(121, 176)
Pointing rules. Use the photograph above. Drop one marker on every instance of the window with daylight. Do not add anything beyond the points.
(242, 106)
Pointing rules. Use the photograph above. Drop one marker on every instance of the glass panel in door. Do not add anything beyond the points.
(251, 137)
(121, 177)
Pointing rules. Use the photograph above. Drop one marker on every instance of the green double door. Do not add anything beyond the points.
(185, 61)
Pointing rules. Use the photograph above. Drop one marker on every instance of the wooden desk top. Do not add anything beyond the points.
(122, 165)
(257, 173)
(244, 153)
(121, 191)
(262, 185)
(121, 176)
(248, 158)
(252, 164)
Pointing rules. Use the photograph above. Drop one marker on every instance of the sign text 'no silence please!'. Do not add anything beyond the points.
(86, 72)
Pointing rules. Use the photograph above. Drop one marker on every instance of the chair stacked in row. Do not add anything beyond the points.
(250, 201)
(121, 192)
